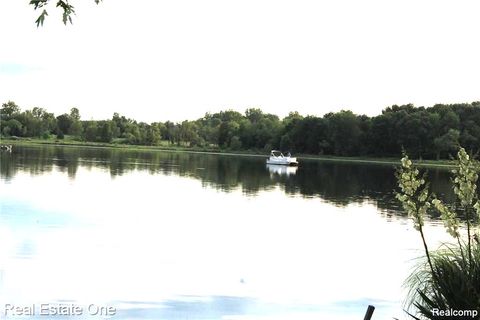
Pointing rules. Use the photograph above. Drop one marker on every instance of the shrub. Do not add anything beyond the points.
(449, 277)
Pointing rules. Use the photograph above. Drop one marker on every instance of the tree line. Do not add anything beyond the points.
(429, 133)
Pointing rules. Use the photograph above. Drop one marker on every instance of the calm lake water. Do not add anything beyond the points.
(167, 235)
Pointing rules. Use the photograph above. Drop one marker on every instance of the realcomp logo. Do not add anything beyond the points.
(455, 313)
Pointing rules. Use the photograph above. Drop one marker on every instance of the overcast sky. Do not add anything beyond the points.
(156, 60)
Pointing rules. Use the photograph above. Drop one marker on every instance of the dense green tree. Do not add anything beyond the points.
(208, 129)
(344, 132)
(169, 132)
(449, 120)
(254, 115)
(413, 132)
(12, 127)
(365, 147)
(49, 122)
(188, 131)
(121, 124)
(286, 142)
(423, 132)
(76, 129)
(37, 122)
(227, 130)
(75, 114)
(64, 122)
(383, 136)
(258, 130)
(315, 139)
(235, 143)
(105, 131)
(91, 131)
(32, 124)
(153, 136)
(448, 142)
(132, 133)
(9, 110)
(289, 135)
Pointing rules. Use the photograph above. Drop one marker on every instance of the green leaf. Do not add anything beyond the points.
(38, 3)
(41, 18)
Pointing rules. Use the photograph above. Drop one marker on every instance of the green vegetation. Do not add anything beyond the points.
(425, 133)
(449, 277)
(65, 5)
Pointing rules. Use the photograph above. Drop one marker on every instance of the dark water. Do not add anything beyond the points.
(340, 183)
(171, 235)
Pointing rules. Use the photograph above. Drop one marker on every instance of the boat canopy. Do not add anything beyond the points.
(276, 153)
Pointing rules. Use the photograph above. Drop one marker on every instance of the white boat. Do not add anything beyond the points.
(276, 157)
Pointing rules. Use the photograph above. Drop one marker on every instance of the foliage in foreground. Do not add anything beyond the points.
(454, 284)
(65, 5)
(449, 277)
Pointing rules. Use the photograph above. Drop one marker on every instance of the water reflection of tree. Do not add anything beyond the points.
(338, 183)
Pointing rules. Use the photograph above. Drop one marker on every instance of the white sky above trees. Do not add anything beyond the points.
(156, 60)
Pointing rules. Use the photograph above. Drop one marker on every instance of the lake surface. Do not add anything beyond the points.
(172, 235)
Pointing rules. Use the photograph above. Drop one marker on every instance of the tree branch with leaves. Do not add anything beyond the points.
(65, 5)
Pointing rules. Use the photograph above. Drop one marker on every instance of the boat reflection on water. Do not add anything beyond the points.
(274, 169)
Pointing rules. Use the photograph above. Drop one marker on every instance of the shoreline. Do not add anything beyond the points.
(213, 151)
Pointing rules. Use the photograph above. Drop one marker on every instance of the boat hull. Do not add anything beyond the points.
(282, 162)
